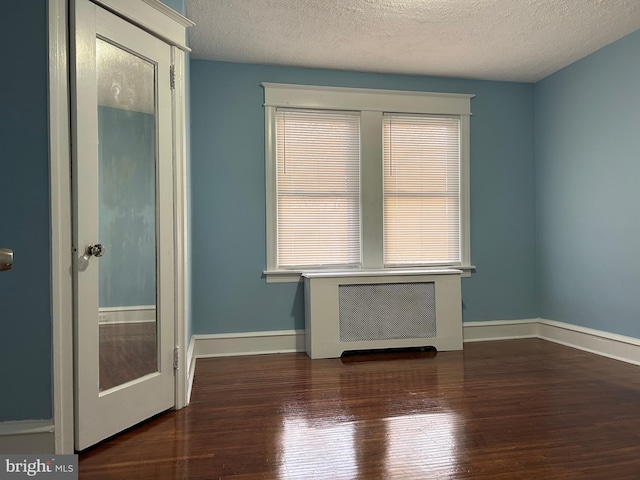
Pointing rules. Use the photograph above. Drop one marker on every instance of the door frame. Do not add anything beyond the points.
(170, 26)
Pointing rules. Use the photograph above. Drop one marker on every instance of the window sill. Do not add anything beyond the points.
(291, 276)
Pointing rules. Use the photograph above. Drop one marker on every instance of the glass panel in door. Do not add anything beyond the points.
(127, 215)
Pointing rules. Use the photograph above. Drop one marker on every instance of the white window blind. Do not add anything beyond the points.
(318, 188)
(421, 189)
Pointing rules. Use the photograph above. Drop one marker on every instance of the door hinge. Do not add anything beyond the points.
(176, 358)
(172, 77)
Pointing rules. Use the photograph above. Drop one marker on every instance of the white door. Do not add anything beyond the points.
(123, 224)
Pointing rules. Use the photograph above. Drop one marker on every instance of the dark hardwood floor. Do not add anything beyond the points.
(513, 409)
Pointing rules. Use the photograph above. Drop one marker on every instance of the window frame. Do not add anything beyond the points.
(372, 104)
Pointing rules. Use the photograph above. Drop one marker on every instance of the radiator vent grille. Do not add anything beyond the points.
(387, 311)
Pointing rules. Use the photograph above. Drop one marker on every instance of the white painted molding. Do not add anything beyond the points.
(152, 16)
(170, 12)
(132, 314)
(599, 342)
(612, 345)
(252, 343)
(377, 100)
(181, 238)
(499, 330)
(27, 437)
(60, 221)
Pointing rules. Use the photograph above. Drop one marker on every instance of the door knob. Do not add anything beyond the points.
(6, 259)
(96, 250)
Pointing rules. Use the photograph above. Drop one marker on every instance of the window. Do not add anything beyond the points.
(421, 190)
(360, 178)
(318, 185)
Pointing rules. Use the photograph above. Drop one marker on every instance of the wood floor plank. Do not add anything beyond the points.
(513, 409)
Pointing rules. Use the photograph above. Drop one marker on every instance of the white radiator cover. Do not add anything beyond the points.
(361, 310)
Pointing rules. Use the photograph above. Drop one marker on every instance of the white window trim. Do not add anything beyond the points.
(372, 103)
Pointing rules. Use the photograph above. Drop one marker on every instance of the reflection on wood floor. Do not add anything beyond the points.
(513, 409)
(127, 352)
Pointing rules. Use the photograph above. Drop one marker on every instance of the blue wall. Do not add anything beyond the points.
(177, 5)
(228, 192)
(25, 318)
(588, 166)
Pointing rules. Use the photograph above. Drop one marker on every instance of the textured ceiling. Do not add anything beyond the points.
(515, 40)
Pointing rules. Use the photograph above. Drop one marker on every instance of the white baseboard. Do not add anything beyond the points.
(132, 314)
(235, 344)
(284, 341)
(612, 345)
(252, 343)
(619, 347)
(27, 437)
(500, 330)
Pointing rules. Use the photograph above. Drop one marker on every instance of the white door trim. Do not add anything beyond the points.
(152, 16)
(60, 212)
(181, 228)
(60, 204)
